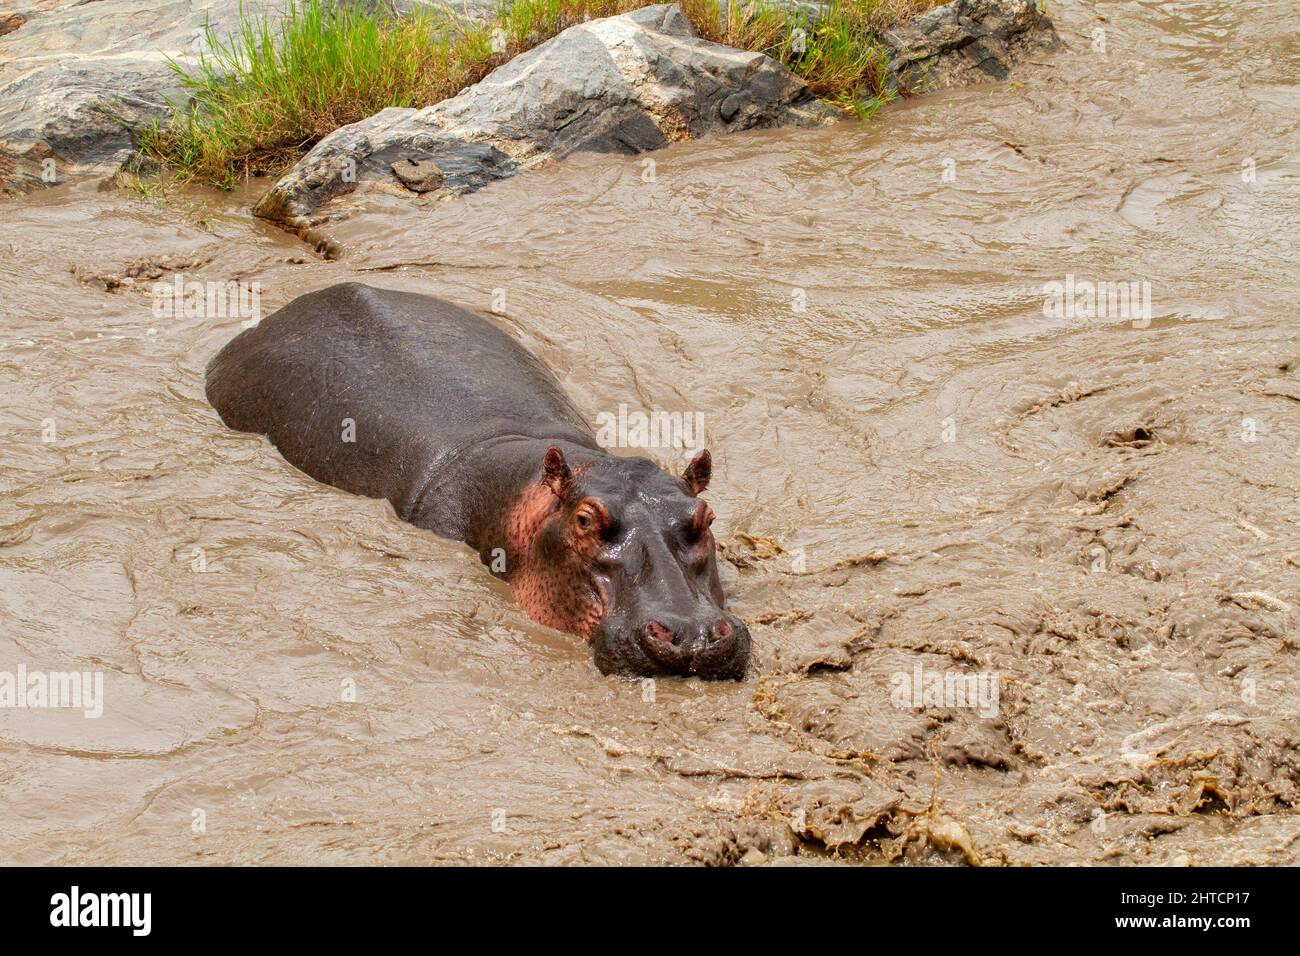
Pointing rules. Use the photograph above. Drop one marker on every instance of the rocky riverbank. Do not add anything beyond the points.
(625, 84)
(77, 84)
(78, 80)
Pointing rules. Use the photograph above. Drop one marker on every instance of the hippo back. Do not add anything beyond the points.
(373, 391)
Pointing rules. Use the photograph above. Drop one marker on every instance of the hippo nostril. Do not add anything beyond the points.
(660, 633)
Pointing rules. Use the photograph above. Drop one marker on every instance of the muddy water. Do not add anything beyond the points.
(915, 467)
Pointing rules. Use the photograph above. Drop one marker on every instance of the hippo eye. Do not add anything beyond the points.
(591, 517)
(699, 523)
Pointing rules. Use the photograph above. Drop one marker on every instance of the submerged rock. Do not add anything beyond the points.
(624, 84)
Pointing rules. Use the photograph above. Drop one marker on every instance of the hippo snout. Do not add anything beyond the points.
(716, 647)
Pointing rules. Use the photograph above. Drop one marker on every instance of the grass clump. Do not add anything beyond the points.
(262, 97)
(838, 54)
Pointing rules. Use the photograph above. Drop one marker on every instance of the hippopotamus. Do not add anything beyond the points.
(408, 397)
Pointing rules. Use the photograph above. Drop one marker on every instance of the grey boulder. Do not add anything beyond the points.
(624, 84)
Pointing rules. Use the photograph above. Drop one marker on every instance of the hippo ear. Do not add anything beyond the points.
(556, 474)
(698, 472)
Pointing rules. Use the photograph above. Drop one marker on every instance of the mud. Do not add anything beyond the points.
(916, 465)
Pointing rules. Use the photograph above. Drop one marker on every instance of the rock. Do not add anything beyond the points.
(76, 79)
(623, 84)
(966, 41)
(959, 43)
(419, 175)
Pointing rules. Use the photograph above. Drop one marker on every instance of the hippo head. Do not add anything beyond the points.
(620, 552)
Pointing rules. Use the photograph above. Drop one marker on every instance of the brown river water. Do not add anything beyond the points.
(1089, 520)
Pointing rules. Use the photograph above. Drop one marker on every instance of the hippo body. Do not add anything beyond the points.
(407, 397)
(440, 400)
